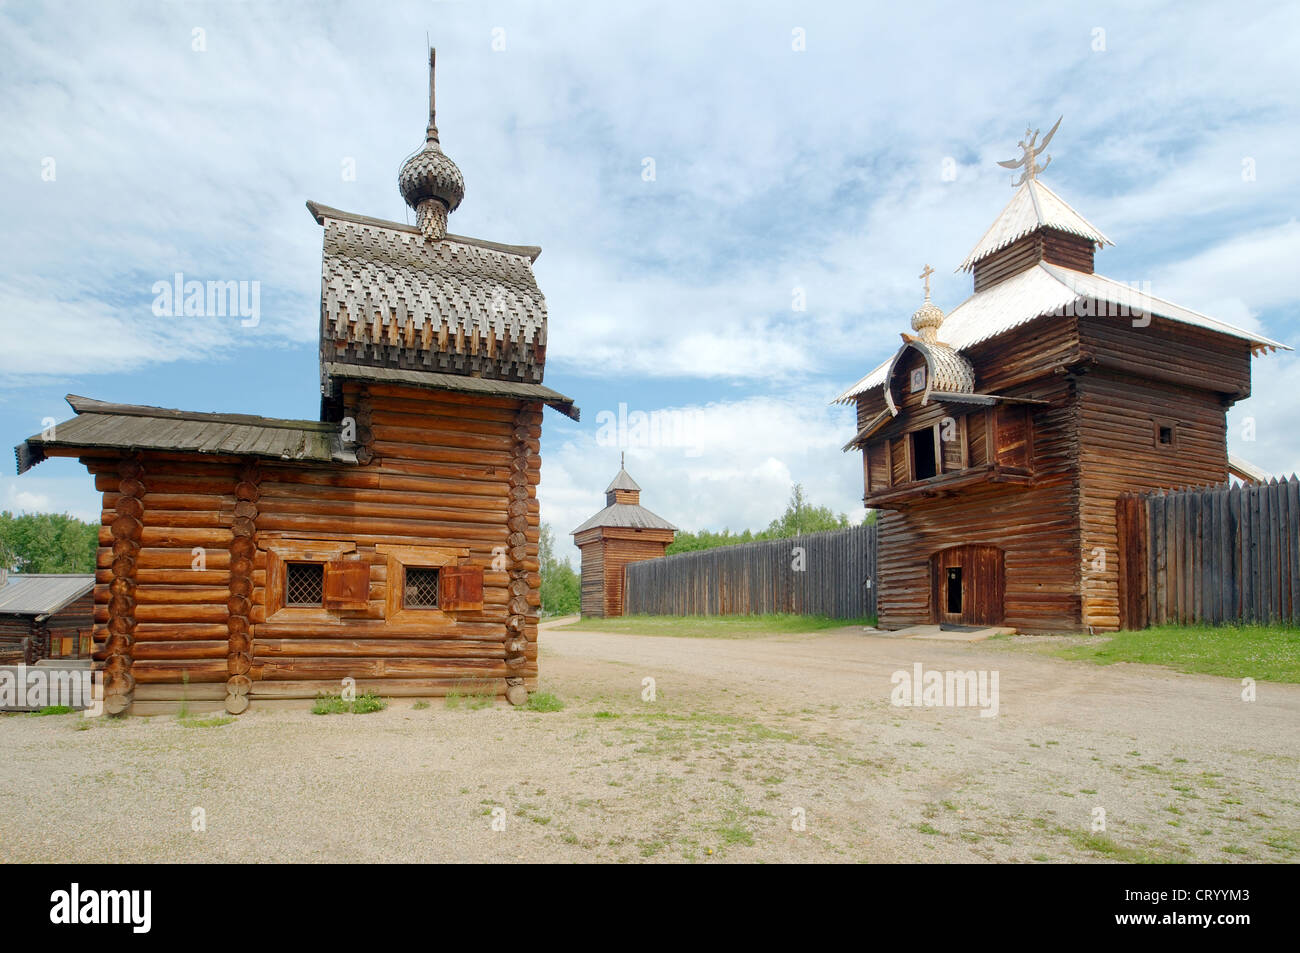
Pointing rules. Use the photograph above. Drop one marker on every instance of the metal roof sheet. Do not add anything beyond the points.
(43, 593)
(1033, 206)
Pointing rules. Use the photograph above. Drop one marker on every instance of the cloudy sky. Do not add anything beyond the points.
(692, 171)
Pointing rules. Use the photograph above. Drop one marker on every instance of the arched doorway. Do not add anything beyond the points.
(967, 585)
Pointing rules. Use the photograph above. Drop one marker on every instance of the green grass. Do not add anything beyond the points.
(1266, 653)
(214, 722)
(335, 705)
(714, 627)
(52, 710)
(543, 701)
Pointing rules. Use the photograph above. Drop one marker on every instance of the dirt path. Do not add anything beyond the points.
(744, 739)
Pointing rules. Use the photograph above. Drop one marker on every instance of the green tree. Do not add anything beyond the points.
(802, 517)
(561, 588)
(47, 542)
(799, 517)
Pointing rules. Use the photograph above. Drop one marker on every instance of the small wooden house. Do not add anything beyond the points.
(394, 541)
(45, 615)
(997, 438)
(623, 532)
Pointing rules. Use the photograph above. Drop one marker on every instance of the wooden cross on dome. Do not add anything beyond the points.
(925, 274)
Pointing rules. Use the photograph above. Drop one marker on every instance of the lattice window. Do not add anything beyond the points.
(421, 588)
(304, 584)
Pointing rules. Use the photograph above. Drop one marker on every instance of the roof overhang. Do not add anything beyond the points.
(488, 387)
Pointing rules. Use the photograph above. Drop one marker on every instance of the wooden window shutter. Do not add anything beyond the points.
(460, 588)
(347, 583)
(1012, 437)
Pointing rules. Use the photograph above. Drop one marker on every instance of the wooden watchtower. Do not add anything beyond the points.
(623, 532)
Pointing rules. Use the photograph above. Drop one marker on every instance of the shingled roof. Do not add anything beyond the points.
(99, 424)
(392, 298)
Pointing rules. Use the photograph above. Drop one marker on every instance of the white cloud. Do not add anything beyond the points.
(736, 472)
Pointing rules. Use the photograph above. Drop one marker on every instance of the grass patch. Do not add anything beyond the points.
(215, 722)
(1268, 653)
(421, 705)
(714, 627)
(51, 710)
(543, 701)
(337, 705)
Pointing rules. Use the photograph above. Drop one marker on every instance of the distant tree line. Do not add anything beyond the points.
(800, 517)
(47, 542)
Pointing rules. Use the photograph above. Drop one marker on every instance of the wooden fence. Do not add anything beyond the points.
(1221, 554)
(831, 573)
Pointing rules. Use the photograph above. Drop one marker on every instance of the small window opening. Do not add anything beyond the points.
(954, 590)
(1167, 435)
(421, 588)
(923, 454)
(304, 584)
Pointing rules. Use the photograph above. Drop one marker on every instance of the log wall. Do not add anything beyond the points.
(187, 544)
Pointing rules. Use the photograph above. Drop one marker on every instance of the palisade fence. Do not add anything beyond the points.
(1220, 554)
(831, 573)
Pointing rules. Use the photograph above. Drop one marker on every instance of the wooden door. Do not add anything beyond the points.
(967, 585)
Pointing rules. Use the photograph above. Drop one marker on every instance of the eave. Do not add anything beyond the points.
(944, 484)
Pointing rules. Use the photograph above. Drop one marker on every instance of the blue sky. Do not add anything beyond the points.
(778, 172)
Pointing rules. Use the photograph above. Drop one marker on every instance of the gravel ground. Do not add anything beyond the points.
(744, 738)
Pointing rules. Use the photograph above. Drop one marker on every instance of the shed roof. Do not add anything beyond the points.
(39, 594)
(99, 424)
(1033, 206)
(625, 516)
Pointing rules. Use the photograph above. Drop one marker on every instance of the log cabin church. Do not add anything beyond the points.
(257, 561)
(996, 440)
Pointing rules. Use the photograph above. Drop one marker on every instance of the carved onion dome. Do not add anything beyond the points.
(926, 321)
(430, 182)
(928, 317)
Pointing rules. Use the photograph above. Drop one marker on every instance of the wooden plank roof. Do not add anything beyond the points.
(625, 516)
(1045, 290)
(99, 424)
(1033, 206)
(335, 371)
(40, 594)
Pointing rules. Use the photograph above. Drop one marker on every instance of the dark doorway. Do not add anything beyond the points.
(923, 461)
(954, 590)
(968, 585)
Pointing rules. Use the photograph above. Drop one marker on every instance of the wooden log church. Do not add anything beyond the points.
(252, 561)
(997, 439)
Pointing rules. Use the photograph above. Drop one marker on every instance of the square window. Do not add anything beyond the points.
(1166, 434)
(421, 588)
(304, 584)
